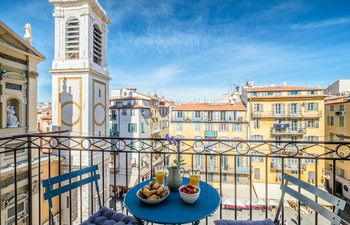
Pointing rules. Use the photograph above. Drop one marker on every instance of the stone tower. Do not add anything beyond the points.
(80, 83)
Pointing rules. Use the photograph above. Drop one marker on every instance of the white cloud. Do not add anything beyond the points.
(321, 24)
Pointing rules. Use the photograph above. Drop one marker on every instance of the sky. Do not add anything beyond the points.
(196, 50)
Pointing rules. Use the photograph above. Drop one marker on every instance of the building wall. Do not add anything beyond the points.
(332, 131)
(196, 128)
(267, 119)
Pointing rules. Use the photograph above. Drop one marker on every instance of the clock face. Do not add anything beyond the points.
(99, 114)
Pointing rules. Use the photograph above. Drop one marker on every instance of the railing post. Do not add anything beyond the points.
(30, 195)
(178, 149)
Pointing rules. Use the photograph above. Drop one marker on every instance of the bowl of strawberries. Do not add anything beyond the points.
(189, 193)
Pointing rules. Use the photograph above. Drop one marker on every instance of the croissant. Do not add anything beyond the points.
(146, 192)
(159, 190)
(152, 197)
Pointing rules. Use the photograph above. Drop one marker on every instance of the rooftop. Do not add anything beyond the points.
(337, 100)
(281, 88)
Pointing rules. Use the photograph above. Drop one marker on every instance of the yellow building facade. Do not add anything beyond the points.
(210, 121)
(338, 129)
(285, 113)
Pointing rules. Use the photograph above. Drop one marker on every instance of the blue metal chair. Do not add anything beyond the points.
(104, 216)
(331, 216)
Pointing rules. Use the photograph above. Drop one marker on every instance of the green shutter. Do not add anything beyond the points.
(129, 127)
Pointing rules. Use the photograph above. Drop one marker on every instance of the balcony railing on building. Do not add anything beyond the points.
(246, 173)
(286, 129)
(287, 114)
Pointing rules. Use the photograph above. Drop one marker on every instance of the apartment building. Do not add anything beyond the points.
(44, 117)
(285, 113)
(226, 121)
(18, 116)
(338, 129)
(137, 115)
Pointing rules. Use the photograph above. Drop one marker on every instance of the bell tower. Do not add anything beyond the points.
(80, 84)
(80, 79)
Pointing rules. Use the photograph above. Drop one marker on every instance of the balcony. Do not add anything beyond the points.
(285, 129)
(210, 134)
(32, 158)
(285, 114)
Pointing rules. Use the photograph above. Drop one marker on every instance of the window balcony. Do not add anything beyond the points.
(210, 134)
(284, 129)
(254, 188)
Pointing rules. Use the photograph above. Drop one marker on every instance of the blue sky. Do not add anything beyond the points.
(196, 50)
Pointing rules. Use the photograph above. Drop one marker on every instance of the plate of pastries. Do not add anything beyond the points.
(153, 193)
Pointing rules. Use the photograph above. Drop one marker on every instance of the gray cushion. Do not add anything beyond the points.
(107, 216)
(244, 222)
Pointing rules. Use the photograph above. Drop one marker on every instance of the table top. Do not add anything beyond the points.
(174, 210)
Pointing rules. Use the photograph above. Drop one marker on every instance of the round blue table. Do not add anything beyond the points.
(174, 210)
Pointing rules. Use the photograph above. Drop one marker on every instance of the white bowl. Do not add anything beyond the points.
(189, 198)
(152, 202)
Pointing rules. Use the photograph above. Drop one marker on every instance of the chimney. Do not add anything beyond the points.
(28, 34)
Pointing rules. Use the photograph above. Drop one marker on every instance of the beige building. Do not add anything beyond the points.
(338, 129)
(44, 116)
(226, 121)
(285, 113)
(18, 115)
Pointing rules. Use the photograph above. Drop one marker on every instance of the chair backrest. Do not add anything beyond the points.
(332, 216)
(50, 192)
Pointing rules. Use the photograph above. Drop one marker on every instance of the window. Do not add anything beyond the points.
(99, 93)
(330, 120)
(341, 121)
(340, 172)
(312, 123)
(258, 107)
(257, 137)
(294, 93)
(142, 127)
(331, 108)
(278, 109)
(124, 112)
(210, 177)
(132, 112)
(293, 108)
(72, 38)
(256, 123)
(223, 116)
(212, 162)
(197, 114)
(132, 127)
(198, 161)
(312, 106)
(197, 127)
(179, 127)
(179, 114)
(257, 173)
(341, 107)
(223, 127)
(225, 162)
(312, 92)
(97, 45)
(237, 127)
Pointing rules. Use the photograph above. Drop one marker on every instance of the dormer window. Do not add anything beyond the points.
(97, 45)
(72, 39)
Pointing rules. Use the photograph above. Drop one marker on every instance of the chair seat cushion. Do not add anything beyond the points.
(107, 216)
(244, 222)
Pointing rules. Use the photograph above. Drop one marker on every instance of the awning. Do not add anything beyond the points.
(121, 180)
(274, 193)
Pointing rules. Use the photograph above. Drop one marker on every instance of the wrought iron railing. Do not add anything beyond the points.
(239, 169)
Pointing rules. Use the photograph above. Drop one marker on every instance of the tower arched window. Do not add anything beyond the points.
(97, 45)
(72, 39)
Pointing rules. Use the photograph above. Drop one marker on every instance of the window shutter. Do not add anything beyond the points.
(317, 123)
(316, 106)
(129, 130)
(306, 123)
